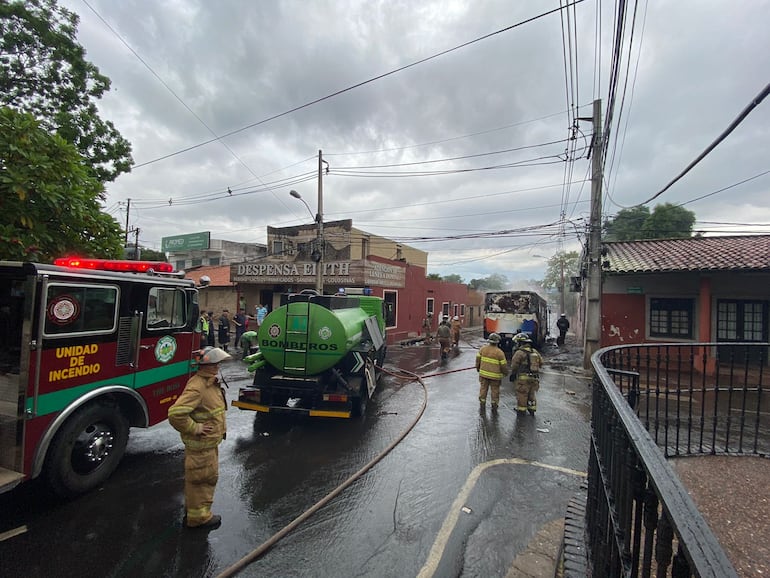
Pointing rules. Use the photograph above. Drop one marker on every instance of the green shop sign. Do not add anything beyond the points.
(190, 242)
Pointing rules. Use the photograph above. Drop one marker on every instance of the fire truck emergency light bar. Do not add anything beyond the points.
(115, 265)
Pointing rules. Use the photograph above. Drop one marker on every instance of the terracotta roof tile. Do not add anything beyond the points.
(725, 253)
(219, 275)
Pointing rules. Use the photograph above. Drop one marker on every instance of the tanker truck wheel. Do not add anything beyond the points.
(359, 403)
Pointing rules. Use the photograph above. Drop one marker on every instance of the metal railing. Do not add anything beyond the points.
(652, 402)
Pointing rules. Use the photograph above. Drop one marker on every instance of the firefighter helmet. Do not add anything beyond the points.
(494, 338)
(211, 355)
(455, 318)
(521, 338)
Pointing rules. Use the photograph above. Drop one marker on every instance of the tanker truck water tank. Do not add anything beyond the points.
(303, 338)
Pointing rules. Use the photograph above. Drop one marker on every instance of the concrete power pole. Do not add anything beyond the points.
(319, 274)
(593, 304)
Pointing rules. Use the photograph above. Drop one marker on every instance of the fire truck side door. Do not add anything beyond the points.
(165, 345)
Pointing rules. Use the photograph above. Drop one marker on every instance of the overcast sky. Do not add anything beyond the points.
(492, 116)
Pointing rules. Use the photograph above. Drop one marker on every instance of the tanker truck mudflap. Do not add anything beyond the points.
(319, 356)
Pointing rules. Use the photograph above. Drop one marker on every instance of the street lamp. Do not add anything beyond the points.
(318, 253)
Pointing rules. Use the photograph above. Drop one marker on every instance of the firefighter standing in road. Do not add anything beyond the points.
(562, 324)
(444, 334)
(199, 416)
(492, 366)
(456, 326)
(525, 373)
(426, 327)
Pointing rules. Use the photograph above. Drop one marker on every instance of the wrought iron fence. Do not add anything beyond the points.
(652, 402)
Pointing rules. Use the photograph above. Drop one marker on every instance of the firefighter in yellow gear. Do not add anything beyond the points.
(444, 335)
(199, 416)
(455, 327)
(492, 366)
(525, 372)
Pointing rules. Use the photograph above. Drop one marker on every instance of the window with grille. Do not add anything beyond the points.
(741, 320)
(671, 318)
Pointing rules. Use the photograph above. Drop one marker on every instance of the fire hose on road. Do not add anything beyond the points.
(291, 526)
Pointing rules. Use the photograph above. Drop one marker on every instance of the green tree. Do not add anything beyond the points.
(561, 266)
(666, 221)
(453, 278)
(433, 277)
(49, 199)
(669, 221)
(495, 282)
(43, 71)
(627, 224)
(152, 255)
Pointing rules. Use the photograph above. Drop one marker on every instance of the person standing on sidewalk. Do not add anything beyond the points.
(198, 415)
(492, 366)
(525, 373)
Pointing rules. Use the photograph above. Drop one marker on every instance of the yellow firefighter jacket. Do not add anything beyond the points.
(527, 362)
(202, 401)
(491, 362)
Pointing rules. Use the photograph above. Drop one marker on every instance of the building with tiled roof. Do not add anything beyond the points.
(699, 289)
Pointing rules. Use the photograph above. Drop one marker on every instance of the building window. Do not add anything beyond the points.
(429, 305)
(196, 263)
(214, 261)
(180, 265)
(277, 247)
(445, 309)
(391, 308)
(741, 321)
(671, 318)
(462, 310)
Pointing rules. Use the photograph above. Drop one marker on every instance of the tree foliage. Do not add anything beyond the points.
(453, 278)
(43, 71)
(49, 199)
(495, 282)
(561, 266)
(666, 221)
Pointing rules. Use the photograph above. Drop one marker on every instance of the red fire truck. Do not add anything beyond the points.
(88, 348)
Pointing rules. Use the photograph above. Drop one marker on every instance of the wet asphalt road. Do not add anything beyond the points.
(461, 495)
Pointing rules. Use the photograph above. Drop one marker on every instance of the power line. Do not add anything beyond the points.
(358, 85)
(733, 125)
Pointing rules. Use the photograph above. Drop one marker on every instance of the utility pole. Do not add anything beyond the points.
(593, 311)
(128, 209)
(319, 274)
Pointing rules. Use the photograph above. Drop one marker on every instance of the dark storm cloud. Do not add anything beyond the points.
(236, 63)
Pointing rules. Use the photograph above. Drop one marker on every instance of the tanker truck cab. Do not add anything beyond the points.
(319, 355)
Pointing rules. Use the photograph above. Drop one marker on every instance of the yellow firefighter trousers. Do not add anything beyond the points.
(485, 384)
(201, 473)
(526, 387)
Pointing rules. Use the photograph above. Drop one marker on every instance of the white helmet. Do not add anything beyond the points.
(211, 355)
(455, 318)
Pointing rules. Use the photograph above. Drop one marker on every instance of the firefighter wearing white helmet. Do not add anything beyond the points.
(199, 416)
(525, 373)
(492, 366)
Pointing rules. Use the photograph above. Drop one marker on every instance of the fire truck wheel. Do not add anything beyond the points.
(87, 449)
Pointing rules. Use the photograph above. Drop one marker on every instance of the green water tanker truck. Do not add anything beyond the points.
(318, 355)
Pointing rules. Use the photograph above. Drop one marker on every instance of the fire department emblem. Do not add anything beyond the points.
(324, 333)
(165, 349)
(62, 310)
(275, 330)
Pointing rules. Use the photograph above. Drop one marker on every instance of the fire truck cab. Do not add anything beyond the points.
(88, 348)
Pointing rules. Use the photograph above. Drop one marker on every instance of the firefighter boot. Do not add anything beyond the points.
(531, 407)
(494, 407)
